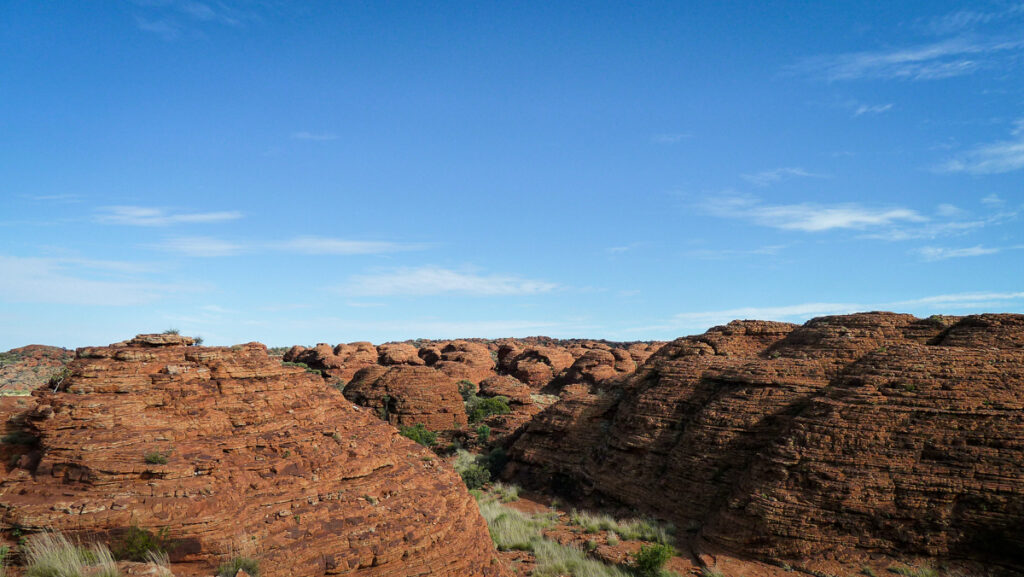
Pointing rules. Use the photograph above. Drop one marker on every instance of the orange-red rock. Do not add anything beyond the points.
(259, 457)
(874, 431)
(407, 395)
(398, 354)
(465, 360)
(341, 361)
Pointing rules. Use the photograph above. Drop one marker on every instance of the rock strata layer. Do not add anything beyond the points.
(873, 431)
(231, 451)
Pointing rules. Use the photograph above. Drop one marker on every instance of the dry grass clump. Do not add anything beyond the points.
(641, 529)
(53, 555)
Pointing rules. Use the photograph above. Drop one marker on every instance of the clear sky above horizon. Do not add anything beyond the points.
(341, 171)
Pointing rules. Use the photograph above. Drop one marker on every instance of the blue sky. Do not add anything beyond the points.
(376, 171)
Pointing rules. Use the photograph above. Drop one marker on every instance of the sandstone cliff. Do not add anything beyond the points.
(230, 451)
(873, 431)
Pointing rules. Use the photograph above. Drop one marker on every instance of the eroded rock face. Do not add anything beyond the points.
(876, 431)
(407, 395)
(341, 361)
(231, 451)
(465, 360)
(27, 368)
(398, 354)
(537, 366)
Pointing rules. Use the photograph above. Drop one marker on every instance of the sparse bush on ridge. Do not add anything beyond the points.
(420, 434)
(230, 567)
(650, 559)
(479, 408)
(156, 457)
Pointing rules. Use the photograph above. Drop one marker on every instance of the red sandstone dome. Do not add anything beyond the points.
(254, 456)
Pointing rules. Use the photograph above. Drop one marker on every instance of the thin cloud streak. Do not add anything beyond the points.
(932, 253)
(807, 217)
(945, 59)
(768, 177)
(156, 217)
(431, 280)
(994, 158)
(205, 246)
(42, 280)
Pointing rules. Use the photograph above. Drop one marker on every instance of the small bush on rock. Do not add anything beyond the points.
(230, 568)
(420, 434)
(650, 559)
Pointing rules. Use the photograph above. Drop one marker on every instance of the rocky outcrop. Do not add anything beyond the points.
(465, 360)
(341, 361)
(872, 431)
(398, 354)
(406, 395)
(229, 450)
(26, 368)
(537, 366)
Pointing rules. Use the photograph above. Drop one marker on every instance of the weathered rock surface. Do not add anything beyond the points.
(26, 368)
(341, 361)
(465, 360)
(231, 451)
(874, 431)
(537, 366)
(398, 354)
(406, 395)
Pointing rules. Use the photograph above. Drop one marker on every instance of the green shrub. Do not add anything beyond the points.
(420, 434)
(198, 340)
(137, 543)
(58, 378)
(172, 332)
(640, 529)
(467, 389)
(496, 460)
(156, 458)
(230, 568)
(706, 572)
(915, 572)
(479, 408)
(483, 432)
(650, 559)
(475, 476)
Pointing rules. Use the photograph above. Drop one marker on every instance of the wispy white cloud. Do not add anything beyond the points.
(767, 177)
(807, 217)
(206, 246)
(200, 246)
(945, 59)
(992, 200)
(314, 136)
(147, 216)
(863, 109)
(940, 253)
(66, 281)
(163, 28)
(56, 198)
(671, 138)
(967, 20)
(431, 280)
(326, 245)
(993, 158)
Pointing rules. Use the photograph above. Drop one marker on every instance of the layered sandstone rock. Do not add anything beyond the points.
(26, 368)
(876, 431)
(406, 395)
(398, 354)
(537, 366)
(465, 360)
(341, 361)
(230, 451)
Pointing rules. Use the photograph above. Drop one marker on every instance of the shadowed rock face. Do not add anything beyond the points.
(875, 431)
(259, 457)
